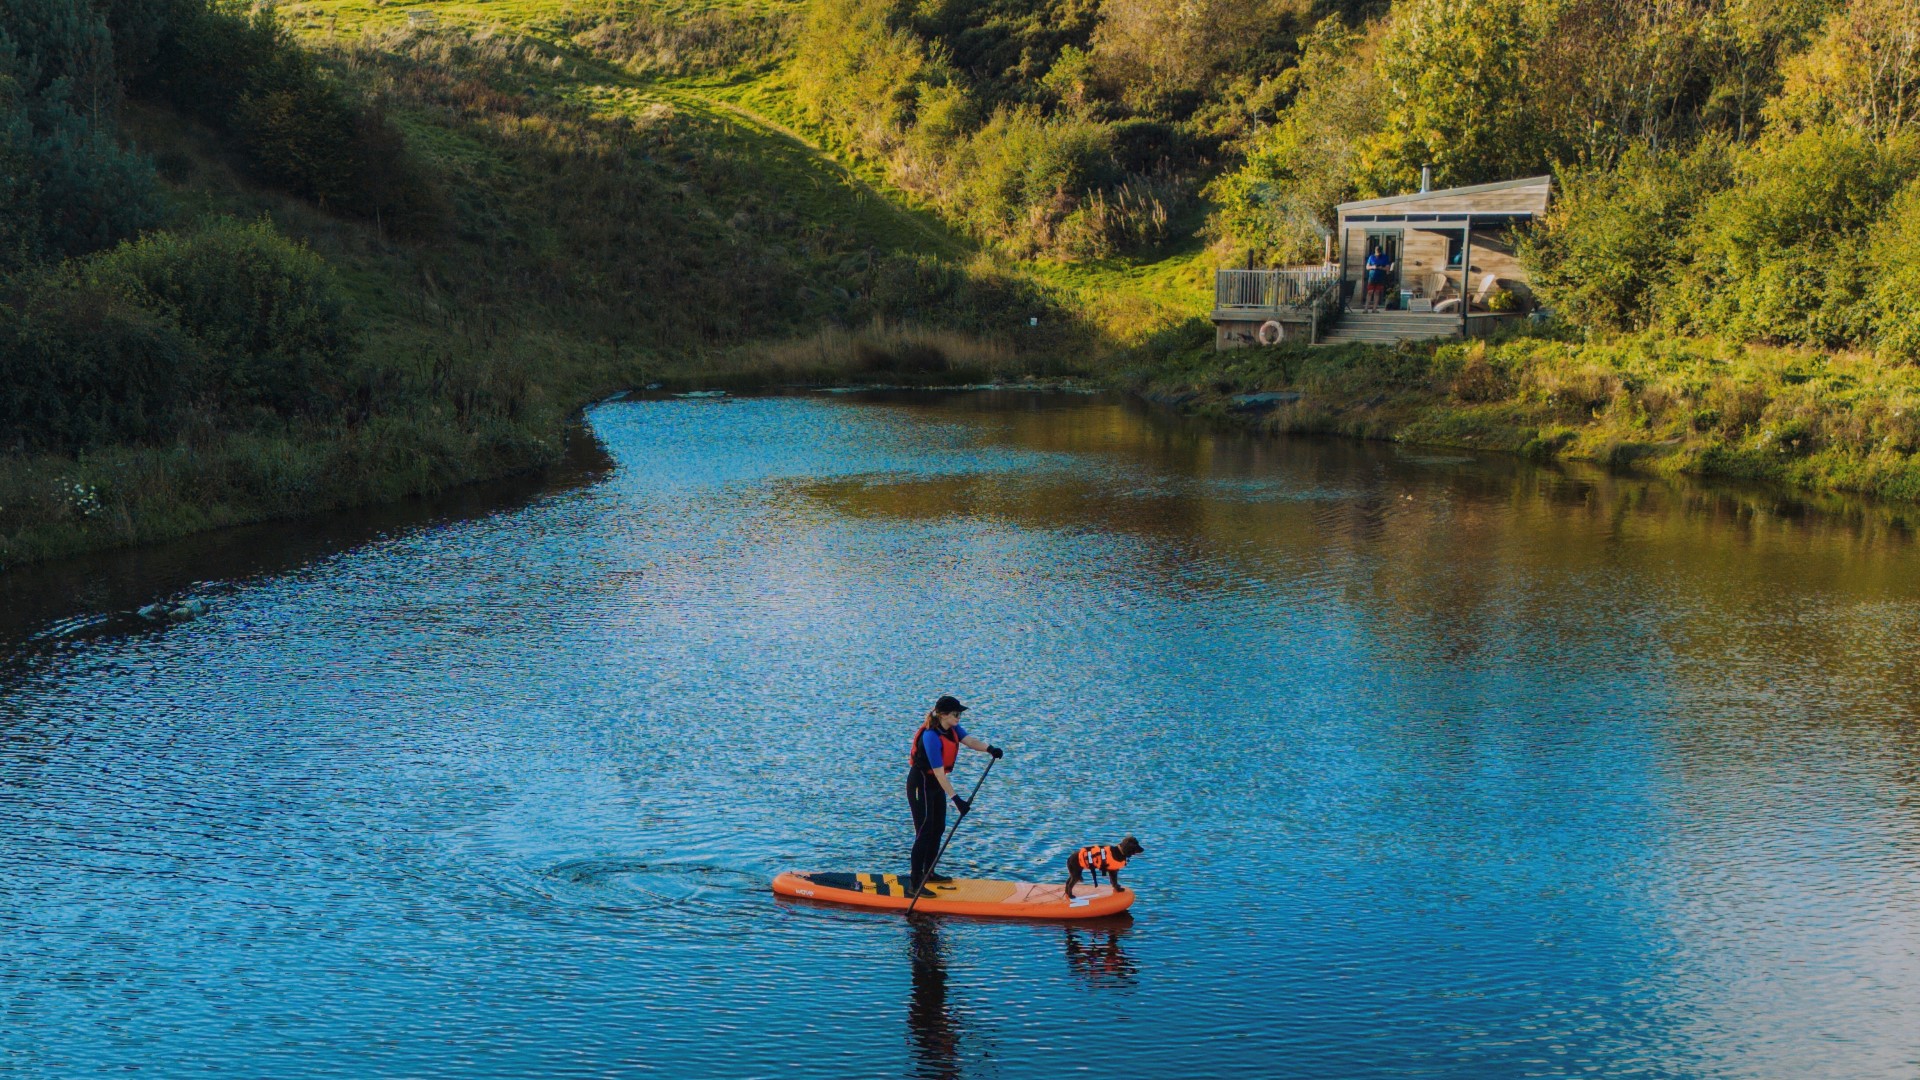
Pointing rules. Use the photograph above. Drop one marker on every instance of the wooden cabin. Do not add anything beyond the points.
(1443, 245)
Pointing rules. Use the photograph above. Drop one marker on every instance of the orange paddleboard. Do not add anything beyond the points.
(962, 896)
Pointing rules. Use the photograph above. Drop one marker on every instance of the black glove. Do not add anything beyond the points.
(996, 753)
(961, 805)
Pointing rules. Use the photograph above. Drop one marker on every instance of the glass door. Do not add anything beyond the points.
(1387, 241)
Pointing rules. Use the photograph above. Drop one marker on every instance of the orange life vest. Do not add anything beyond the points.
(949, 748)
(1100, 857)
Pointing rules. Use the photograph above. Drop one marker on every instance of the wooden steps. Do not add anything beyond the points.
(1390, 327)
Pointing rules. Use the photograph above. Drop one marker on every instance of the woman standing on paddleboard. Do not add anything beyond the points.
(935, 746)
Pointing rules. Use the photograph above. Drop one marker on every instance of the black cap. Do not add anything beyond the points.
(949, 704)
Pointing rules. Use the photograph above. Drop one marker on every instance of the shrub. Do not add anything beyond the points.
(1781, 254)
(1281, 201)
(1896, 277)
(83, 365)
(243, 74)
(1611, 239)
(1457, 97)
(92, 192)
(647, 38)
(67, 186)
(62, 53)
(265, 313)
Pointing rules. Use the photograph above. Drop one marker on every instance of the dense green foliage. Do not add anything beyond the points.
(66, 184)
(1727, 168)
(1050, 126)
(241, 73)
(1615, 236)
(1645, 401)
(227, 324)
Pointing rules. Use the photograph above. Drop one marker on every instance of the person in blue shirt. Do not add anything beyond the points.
(930, 787)
(1379, 268)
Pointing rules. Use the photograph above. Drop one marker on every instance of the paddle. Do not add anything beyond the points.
(928, 886)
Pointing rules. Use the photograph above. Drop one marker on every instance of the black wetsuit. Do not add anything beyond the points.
(928, 800)
(929, 805)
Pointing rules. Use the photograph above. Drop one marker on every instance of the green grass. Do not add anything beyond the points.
(1816, 421)
(608, 227)
(1121, 300)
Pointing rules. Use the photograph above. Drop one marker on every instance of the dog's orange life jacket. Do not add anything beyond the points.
(949, 748)
(1100, 857)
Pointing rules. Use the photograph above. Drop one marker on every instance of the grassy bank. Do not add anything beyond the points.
(1818, 421)
(596, 232)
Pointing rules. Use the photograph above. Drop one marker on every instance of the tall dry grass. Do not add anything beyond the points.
(884, 351)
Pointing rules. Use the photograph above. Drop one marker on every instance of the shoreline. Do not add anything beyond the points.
(128, 498)
(1407, 397)
(1808, 423)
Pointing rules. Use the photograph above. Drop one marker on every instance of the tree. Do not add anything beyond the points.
(1864, 70)
(1610, 74)
(67, 186)
(1612, 240)
(62, 53)
(1298, 169)
(1455, 77)
(1148, 52)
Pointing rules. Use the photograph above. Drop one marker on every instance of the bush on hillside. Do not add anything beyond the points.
(1281, 201)
(83, 365)
(1457, 97)
(138, 27)
(1781, 255)
(62, 52)
(245, 75)
(1896, 277)
(995, 114)
(1863, 70)
(92, 192)
(648, 39)
(67, 186)
(1612, 238)
(266, 314)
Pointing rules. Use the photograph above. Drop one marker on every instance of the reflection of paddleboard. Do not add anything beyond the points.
(962, 896)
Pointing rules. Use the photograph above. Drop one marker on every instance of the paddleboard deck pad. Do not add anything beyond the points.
(961, 896)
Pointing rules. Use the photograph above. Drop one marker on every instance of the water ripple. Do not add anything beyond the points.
(1446, 767)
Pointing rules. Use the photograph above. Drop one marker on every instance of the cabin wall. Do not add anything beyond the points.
(1245, 333)
(1425, 259)
(1424, 256)
(1493, 254)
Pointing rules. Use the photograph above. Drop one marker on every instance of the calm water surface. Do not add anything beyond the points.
(1445, 768)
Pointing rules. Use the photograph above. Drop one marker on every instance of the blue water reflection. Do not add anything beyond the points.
(1447, 768)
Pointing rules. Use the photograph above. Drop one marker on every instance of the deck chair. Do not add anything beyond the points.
(1487, 285)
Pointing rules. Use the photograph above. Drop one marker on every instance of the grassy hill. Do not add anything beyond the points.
(624, 195)
(259, 264)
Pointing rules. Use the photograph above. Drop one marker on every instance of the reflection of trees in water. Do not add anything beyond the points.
(1442, 563)
(932, 1026)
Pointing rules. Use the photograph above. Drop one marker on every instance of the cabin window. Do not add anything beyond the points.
(1456, 247)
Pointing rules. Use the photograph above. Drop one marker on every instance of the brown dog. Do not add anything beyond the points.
(1095, 858)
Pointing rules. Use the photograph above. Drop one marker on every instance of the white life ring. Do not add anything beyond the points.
(1279, 332)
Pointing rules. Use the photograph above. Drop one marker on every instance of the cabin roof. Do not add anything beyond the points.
(1439, 193)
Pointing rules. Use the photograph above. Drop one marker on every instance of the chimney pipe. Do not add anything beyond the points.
(1426, 178)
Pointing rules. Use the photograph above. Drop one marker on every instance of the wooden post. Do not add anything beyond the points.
(1340, 274)
(1466, 270)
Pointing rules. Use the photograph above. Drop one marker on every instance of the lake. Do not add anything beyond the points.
(1445, 766)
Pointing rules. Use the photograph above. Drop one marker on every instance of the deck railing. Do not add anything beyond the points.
(1273, 290)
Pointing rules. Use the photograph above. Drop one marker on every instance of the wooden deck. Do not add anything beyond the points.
(1246, 300)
